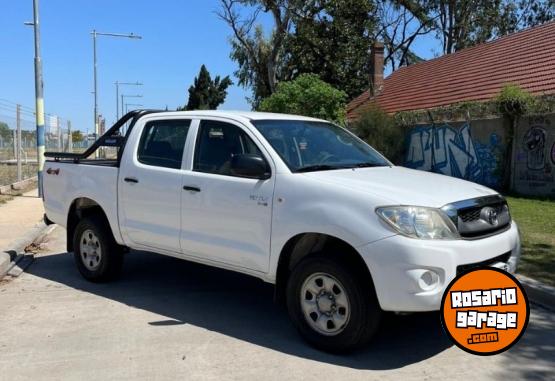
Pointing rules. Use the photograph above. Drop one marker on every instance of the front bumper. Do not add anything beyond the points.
(410, 275)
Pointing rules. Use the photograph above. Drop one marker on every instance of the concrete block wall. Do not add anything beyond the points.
(534, 156)
(468, 150)
(475, 151)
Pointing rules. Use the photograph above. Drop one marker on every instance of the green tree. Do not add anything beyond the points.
(207, 94)
(307, 95)
(399, 24)
(463, 23)
(379, 130)
(77, 136)
(331, 39)
(260, 56)
(513, 102)
(5, 132)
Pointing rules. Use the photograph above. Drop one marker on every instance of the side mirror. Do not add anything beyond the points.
(250, 165)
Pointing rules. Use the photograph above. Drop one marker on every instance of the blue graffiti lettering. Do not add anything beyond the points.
(453, 152)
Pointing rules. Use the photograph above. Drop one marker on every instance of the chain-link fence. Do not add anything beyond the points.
(18, 142)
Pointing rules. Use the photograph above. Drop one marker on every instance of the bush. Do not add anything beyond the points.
(513, 101)
(307, 95)
(379, 130)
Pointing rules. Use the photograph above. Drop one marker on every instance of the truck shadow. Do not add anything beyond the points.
(241, 307)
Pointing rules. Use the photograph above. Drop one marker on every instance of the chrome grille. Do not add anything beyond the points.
(479, 217)
(470, 215)
(473, 214)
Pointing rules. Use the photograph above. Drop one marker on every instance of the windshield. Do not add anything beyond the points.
(316, 146)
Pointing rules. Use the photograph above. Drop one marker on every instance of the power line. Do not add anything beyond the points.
(12, 106)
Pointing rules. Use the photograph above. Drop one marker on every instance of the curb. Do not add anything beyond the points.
(17, 186)
(538, 292)
(16, 253)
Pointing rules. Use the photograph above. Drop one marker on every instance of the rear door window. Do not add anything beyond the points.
(162, 143)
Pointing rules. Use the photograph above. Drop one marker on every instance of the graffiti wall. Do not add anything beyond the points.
(474, 151)
(470, 151)
(535, 156)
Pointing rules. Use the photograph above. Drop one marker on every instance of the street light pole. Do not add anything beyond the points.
(94, 35)
(132, 104)
(118, 84)
(95, 125)
(123, 96)
(39, 97)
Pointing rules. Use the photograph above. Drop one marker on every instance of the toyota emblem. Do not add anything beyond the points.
(490, 215)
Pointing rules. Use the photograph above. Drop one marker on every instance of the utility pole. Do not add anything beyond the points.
(39, 98)
(95, 90)
(94, 34)
(123, 96)
(133, 105)
(118, 84)
(18, 145)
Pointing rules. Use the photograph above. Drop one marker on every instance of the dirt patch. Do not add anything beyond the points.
(8, 173)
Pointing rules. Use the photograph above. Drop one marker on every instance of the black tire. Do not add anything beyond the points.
(364, 314)
(109, 264)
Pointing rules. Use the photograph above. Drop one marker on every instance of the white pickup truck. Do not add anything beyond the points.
(297, 202)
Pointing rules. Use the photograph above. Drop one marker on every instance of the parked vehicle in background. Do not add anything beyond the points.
(297, 202)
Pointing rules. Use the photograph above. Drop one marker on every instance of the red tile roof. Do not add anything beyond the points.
(526, 58)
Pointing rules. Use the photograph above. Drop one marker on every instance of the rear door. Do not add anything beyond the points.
(226, 218)
(150, 184)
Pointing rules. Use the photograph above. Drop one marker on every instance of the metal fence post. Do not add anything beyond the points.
(59, 133)
(18, 144)
(14, 141)
(69, 137)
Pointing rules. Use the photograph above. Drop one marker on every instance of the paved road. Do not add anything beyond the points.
(168, 319)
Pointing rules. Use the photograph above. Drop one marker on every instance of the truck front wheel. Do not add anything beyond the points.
(97, 255)
(332, 306)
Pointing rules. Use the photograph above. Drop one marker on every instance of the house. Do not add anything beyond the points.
(525, 58)
(475, 147)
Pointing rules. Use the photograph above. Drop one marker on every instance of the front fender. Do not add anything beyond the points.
(302, 206)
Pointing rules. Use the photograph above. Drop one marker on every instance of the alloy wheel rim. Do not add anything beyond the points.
(90, 250)
(325, 304)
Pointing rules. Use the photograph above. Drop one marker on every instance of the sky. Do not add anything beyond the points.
(178, 36)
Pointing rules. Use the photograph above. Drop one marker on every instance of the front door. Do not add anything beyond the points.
(150, 185)
(226, 218)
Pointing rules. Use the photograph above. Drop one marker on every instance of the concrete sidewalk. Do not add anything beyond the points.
(18, 216)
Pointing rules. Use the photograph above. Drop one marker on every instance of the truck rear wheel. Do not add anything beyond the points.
(332, 306)
(98, 256)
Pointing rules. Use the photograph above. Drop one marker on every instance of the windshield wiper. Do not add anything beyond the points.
(367, 165)
(319, 167)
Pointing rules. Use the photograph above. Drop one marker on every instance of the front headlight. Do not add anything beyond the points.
(419, 222)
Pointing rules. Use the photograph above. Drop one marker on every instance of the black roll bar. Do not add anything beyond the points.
(100, 142)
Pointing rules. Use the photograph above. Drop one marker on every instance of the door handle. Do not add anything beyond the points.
(131, 180)
(192, 189)
(51, 171)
